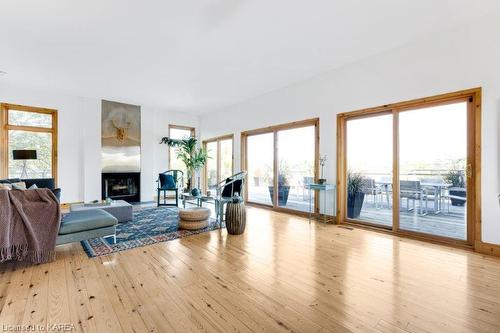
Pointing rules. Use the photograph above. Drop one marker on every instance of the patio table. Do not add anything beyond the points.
(438, 186)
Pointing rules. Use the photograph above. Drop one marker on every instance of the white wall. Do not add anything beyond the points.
(460, 59)
(79, 140)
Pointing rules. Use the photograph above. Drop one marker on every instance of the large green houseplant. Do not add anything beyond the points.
(187, 150)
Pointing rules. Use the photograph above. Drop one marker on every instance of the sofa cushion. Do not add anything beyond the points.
(86, 220)
(19, 186)
(41, 182)
(9, 181)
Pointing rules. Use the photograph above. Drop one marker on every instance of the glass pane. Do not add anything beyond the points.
(260, 157)
(369, 165)
(212, 165)
(42, 143)
(226, 158)
(24, 118)
(296, 149)
(433, 151)
(178, 133)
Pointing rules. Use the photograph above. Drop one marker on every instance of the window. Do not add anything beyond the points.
(29, 128)
(413, 167)
(281, 160)
(178, 132)
(220, 162)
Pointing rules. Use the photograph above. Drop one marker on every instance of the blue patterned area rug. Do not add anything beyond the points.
(149, 226)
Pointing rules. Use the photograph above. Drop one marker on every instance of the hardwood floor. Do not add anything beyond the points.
(281, 275)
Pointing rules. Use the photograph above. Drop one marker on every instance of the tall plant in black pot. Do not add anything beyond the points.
(355, 195)
(283, 186)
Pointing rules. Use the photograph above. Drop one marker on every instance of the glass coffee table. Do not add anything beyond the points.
(196, 200)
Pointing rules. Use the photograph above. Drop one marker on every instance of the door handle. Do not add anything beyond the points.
(468, 171)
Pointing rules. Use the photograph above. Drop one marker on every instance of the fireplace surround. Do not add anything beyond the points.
(122, 186)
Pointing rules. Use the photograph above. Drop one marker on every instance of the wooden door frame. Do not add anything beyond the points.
(473, 97)
(275, 129)
(5, 127)
(218, 140)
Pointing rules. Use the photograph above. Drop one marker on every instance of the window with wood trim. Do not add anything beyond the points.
(413, 167)
(220, 164)
(178, 132)
(281, 161)
(29, 128)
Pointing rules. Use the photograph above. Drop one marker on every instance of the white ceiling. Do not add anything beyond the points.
(198, 55)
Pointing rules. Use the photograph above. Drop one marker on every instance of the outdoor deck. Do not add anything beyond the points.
(450, 224)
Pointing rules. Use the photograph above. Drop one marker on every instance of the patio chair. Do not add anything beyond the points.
(433, 192)
(411, 190)
(369, 187)
(227, 190)
(385, 185)
(169, 181)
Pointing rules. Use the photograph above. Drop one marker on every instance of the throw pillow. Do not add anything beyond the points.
(5, 186)
(19, 186)
(167, 181)
(232, 189)
(32, 187)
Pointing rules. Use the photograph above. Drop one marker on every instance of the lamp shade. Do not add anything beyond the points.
(25, 154)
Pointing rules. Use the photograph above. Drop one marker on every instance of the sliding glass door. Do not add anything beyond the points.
(432, 170)
(211, 166)
(369, 169)
(411, 167)
(260, 162)
(296, 157)
(219, 165)
(281, 161)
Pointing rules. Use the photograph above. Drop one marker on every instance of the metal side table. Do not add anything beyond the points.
(319, 188)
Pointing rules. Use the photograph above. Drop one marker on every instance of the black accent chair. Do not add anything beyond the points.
(39, 182)
(228, 190)
(169, 181)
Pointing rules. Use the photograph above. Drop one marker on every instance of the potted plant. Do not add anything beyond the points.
(283, 186)
(355, 195)
(187, 150)
(456, 178)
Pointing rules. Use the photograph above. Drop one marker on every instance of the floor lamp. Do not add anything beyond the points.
(24, 155)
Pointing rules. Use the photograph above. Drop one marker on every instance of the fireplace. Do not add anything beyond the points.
(122, 186)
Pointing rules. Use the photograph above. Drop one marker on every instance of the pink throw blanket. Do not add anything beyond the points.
(29, 224)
